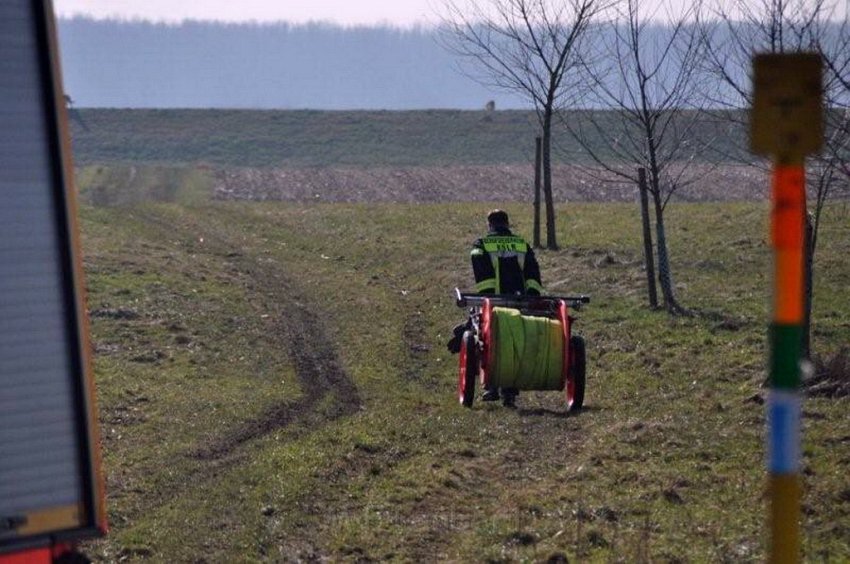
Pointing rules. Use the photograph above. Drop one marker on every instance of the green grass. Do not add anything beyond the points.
(305, 138)
(666, 463)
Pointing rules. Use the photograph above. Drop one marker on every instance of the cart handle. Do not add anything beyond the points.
(464, 299)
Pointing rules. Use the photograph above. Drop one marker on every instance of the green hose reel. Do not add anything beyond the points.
(523, 342)
(528, 351)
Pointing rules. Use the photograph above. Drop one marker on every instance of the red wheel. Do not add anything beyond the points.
(564, 318)
(468, 370)
(577, 374)
(486, 342)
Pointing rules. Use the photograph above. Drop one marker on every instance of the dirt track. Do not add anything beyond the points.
(468, 183)
(320, 373)
(300, 331)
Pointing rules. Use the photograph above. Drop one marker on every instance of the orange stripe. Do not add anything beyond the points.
(78, 274)
(784, 518)
(788, 286)
(789, 206)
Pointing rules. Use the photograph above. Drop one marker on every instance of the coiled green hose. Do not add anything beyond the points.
(528, 352)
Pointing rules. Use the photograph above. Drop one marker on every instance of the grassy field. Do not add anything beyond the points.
(251, 138)
(274, 385)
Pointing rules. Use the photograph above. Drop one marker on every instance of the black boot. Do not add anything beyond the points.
(491, 394)
(454, 343)
(509, 397)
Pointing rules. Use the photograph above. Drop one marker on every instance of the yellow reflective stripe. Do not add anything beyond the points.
(512, 244)
(531, 284)
(498, 284)
(488, 284)
(476, 252)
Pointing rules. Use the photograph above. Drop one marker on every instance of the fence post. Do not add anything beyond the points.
(647, 239)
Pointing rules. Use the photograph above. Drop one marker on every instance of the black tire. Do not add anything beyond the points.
(578, 371)
(467, 394)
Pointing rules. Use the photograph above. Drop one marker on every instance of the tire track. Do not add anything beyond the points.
(317, 367)
(300, 330)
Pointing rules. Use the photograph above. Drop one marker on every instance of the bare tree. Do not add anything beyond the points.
(745, 27)
(742, 28)
(646, 75)
(834, 46)
(529, 47)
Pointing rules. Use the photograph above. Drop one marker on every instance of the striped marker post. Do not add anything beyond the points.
(787, 124)
(783, 406)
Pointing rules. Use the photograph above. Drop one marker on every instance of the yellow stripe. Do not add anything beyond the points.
(53, 520)
(495, 260)
(488, 284)
(505, 243)
(532, 284)
(784, 518)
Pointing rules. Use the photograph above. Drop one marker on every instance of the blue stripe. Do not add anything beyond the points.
(783, 419)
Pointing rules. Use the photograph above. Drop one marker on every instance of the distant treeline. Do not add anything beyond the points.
(138, 64)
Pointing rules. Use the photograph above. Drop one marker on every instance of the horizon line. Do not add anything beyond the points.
(118, 18)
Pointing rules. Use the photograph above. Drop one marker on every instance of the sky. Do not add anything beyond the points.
(352, 12)
(402, 13)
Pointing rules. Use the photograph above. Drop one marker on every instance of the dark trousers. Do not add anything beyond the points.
(504, 392)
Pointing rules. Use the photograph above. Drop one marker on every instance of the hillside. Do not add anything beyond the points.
(252, 138)
(274, 386)
(248, 138)
(423, 156)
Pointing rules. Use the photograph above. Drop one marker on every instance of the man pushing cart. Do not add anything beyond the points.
(515, 339)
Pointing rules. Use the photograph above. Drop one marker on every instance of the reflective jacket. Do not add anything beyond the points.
(505, 264)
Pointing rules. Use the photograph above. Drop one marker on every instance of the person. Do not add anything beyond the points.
(502, 263)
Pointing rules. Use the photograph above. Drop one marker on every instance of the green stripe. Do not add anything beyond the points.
(488, 284)
(785, 343)
(532, 284)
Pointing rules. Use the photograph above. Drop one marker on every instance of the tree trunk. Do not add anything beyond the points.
(551, 237)
(665, 277)
(537, 157)
(647, 240)
(808, 273)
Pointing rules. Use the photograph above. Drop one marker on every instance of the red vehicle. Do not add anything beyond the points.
(482, 357)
